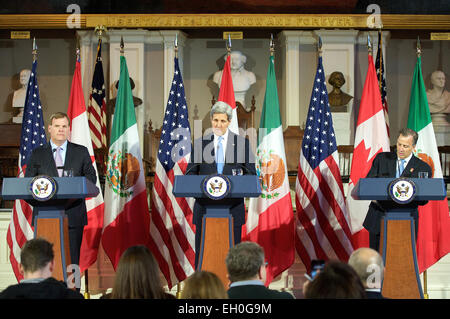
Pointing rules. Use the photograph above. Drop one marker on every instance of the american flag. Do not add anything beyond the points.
(171, 229)
(379, 66)
(97, 104)
(33, 135)
(322, 227)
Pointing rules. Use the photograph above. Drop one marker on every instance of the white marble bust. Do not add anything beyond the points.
(438, 97)
(20, 94)
(242, 79)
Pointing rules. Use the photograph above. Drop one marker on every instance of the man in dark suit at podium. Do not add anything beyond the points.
(222, 152)
(55, 157)
(401, 163)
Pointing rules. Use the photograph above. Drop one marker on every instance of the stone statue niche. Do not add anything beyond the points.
(337, 98)
(439, 99)
(18, 100)
(242, 79)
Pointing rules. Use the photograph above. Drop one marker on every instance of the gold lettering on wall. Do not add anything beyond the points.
(199, 21)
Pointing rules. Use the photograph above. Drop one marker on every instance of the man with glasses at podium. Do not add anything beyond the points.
(58, 156)
(223, 152)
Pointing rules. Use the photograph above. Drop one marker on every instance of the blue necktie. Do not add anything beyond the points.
(401, 167)
(219, 156)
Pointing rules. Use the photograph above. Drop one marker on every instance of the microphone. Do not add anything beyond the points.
(190, 168)
(245, 168)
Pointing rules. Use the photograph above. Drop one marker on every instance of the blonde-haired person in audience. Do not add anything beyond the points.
(137, 276)
(204, 285)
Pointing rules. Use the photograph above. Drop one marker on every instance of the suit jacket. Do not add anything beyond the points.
(256, 292)
(42, 162)
(385, 165)
(238, 155)
(374, 295)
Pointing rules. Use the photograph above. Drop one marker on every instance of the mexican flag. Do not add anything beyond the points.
(270, 219)
(127, 218)
(433, 238)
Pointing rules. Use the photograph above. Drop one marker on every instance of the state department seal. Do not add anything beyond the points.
(42, 187)
(402, 190)
(216, 186)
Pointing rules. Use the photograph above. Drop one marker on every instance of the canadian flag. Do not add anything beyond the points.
(95, 206)
(371, 138)
(226, 94)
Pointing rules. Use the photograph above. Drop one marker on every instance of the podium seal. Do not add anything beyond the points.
(216, 186)
(42, 187)
(402, 190)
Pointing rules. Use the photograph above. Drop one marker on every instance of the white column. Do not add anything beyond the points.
(88, 52)
(290, 91)
(338, 52)
(134, 53)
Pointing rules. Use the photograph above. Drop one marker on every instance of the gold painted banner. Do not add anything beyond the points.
(199, 21)
(227, 20)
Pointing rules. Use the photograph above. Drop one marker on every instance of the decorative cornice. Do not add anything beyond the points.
(284, 21)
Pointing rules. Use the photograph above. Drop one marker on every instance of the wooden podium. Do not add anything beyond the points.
(217, 225)
(51, 221)
(397, 237)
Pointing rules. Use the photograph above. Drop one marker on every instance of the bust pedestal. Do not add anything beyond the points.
(441, 128)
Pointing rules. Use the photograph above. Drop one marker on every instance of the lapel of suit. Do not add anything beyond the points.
(69, 156)
(50, 161)
(206, 140)
(229, 153)
(393, 165)
(409, 169)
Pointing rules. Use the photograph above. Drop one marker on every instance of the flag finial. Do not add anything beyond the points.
(272, 45)
(175, 45)
(99, 29)
(121, 46)
(78, 49)
(418, 47)
(34, 51)
(369, 44)
(319, 46)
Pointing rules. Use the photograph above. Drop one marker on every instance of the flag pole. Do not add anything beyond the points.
(175, 47)
(87, 295)
(425, 277)
(380, 32)
(369, 44)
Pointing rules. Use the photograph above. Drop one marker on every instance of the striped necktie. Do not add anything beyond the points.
(401, 168)
(59, 161)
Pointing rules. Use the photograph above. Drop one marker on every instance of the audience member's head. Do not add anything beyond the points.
(245, 261)
(369, 266)
(36, 259)
(204, 285)
(137, 276)
(336, 281)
